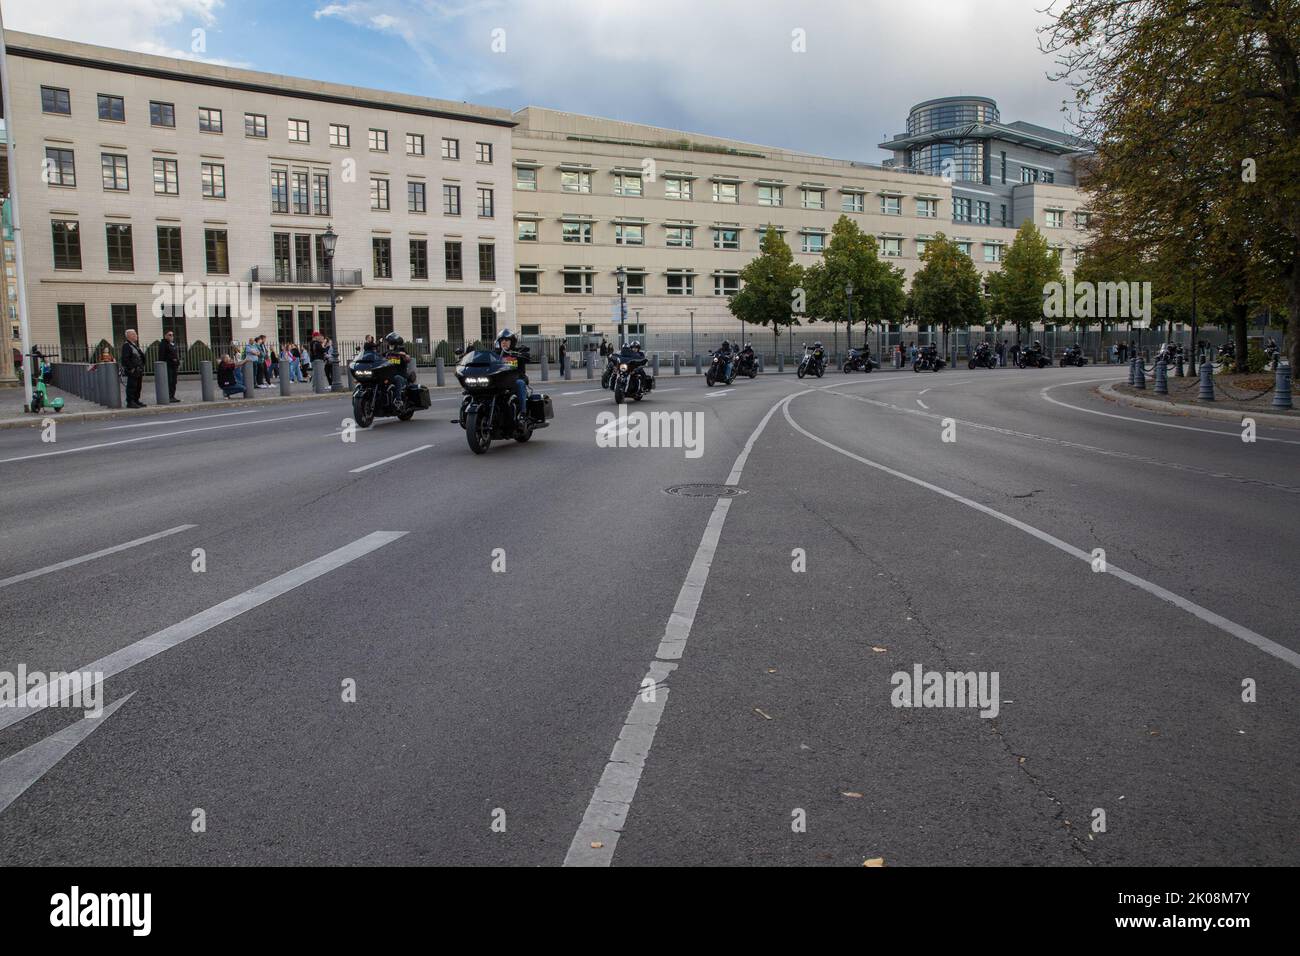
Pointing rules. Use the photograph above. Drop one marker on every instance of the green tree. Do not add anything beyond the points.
(946, 290)
(851, 260)
(771, 287)
(1016, 290)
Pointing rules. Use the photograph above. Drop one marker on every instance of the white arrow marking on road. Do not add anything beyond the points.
(384, 461)
(923, 405)
(27, 575)
(204, 621)
(24, 768)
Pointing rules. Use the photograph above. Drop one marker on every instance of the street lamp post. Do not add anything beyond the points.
(848, 292)
(620, 275)
(691, 313)
(328, 241)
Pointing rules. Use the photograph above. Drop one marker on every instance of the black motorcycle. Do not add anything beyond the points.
(812, 363)
(631, 379)
(375, 394)
(1272, 355)
(1073, 355)
(489, 410)
(927, 360)
(747, 363)
(1172, 355)
(611, 370)
(722, 369)
(984, 357)
(859, 360)
(1032, 358)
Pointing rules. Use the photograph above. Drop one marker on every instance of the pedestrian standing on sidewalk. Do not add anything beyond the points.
(133, 368)
(169, 352)
(564, 357)
(317, 353)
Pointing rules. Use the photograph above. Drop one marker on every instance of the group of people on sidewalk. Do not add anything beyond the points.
(270, 362)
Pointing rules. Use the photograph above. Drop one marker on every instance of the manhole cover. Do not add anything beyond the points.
(705, 491)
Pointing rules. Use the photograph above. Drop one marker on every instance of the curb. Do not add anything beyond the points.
(1196, 411)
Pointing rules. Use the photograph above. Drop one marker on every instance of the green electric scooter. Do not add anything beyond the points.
(40, 396)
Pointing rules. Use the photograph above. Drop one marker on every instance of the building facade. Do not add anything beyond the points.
(152, 187)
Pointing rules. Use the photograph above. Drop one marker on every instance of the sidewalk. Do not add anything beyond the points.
(1235, 396)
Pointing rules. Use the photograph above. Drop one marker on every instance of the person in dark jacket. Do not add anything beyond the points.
(170, 352)
(133, 368)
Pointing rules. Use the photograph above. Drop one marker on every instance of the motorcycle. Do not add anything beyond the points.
(721, 369)
(632, 380)
(611, 370)
(813, 362)
(1271, 355)
(1073, 355)
(375, 394)
(927, 360)
(747, 363)
(983, 357)
(488, 410)
(859, 360)
(1032, 358)
(1172, 355)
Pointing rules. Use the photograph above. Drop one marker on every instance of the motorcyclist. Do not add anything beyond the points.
(725, 353)
(507, 347)
(395, 347)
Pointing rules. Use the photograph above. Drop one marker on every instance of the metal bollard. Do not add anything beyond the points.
(1132, 371)
(439, 372)
(284, 380)
(1206, 393)
(654, 364)
(160, 383)
(250, 381)
(758, 360)
(1282, 386)
(780, 362)
(699, 364)
(546, 369)
(205, 381)
(1162, 378)
(1178, 369)
(319, 383)
(111, 391)
(677, 364)
(591, 368)
(340, 377)
(1140, 382)
(568, 371)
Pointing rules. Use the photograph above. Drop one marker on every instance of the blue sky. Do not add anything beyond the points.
(725, 67)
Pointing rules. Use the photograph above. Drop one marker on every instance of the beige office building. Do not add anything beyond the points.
(141, 174)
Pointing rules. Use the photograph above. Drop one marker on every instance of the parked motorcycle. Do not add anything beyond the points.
(489, 411)
(376, 392)
(722, 369)
(984, 357)
(927, 360)
(1073, 355)
(813, 361)
(632, 379)
(859, 360)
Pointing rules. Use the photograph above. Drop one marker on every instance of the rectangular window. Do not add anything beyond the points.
(487, 324)
(921, 246)
(526, 179)
(377, 140)
(283, 267)
(1004, 167)
(112, 108)
(455, 326)
(340, 135)
(527, 231)
(626, 184)
(209, 120)
(726, 238)
(55, 100)
(927, 208)
(279, 190)
(982, 212)
(814, 242)
(529, 282)
(221, 329)
(61, 169)
(162, 114)
(487, 262)
(726, 192)
(812, 198)
(992, 252)
(450, 200)
(72, 329)
(114, 172)
(255, 125)
(960, 209)
(382, 249)
(166, 180)
(121, 251)
(420, 328)
(415, 201)
(635, 283)
(414, 144)
(626, 234)
(680, 237)
(771, 195)
(579, 283)
(726, 284)
(891, 247)
(891, 205)
(853, 202)
(452, 261)
(575, 181)
(677, 189)
(320, 193)
(378, 193)
(419, 259)
(216, 251)
(67, 243)
(1028, 175)
(1048, 176)
(170, 258)
(299, 131)
(1004, 213)
(383, 320)
(299, 193)
(484, 152)
(213, 176)
(963, 248)
(1055, 219)
(486, 206)
(681, 283)
(450, 148)
(576, 231)
(1082, 219)
(122, 317)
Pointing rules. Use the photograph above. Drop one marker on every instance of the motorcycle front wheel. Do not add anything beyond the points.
(619, 394)
(478, 431)
(801, 371)
(363, 408)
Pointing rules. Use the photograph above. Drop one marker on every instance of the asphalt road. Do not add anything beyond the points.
(502, 717)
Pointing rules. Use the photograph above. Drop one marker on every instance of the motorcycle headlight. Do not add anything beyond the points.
(622, 368)
(362, 374)
(477, 380)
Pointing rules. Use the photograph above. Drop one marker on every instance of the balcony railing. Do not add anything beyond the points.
(300, 276)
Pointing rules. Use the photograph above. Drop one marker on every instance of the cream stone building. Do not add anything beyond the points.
(139, 172)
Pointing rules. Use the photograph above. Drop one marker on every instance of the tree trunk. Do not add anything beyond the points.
(1240, 315)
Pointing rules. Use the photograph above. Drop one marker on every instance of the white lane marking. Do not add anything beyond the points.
(24, 768)
(923, 405)
(1231, 627)
(1129, 418)
(183, 431)
(182, 631)
(72, 562)
(592, 401)
(362, 431)
(159, 420)
(384, 461)
(606, 812)
(585, 391)
(725, 391)
(922, 391)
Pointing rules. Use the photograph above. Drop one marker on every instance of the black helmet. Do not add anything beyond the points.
(635, 346)
(395, 342)
(506, 334)
(725, 344)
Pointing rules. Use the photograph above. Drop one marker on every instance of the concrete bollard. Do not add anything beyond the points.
(284, 380)
(1206, 394)
(1178, 369)
(160, 383)
(654, 364)
(546, 369)
(1282, 386)
(568, 371)
(780, 362)
(591, 368)
(1162, 378)
(439, 372)
(758, 362)
(699, 364)
(110, 390)
(340, 383)
(677, 364)
(1140, 379)
(1132, 371)
(205, 381)
(319, 383)
(250, 382)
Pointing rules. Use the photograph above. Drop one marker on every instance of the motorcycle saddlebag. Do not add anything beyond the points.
(422, 398)
(540, 408)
